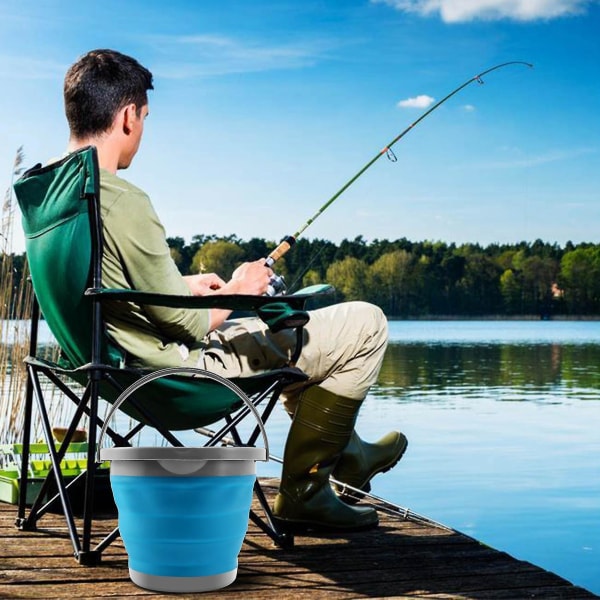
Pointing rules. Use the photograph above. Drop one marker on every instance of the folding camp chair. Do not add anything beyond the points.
(62, 223)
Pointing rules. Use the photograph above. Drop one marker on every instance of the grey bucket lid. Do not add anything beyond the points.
(167, 453)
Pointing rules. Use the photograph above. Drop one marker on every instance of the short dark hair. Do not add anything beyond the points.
(100, 84)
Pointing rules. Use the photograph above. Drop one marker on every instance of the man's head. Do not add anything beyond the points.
(98, 86)
(106, 103)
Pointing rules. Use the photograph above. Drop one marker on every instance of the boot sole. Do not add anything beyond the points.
(350, 497)
(307, 527)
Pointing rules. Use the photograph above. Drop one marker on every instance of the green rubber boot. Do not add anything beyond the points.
(361, 461)
(320, 430)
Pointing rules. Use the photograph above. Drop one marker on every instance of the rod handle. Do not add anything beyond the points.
(285, 244)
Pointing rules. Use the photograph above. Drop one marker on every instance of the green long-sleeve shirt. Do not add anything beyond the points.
(136, 256)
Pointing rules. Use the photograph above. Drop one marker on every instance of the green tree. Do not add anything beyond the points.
(219, 256)
(349, 276)
(311, 277)
(480, 285)
(256, 248)
(538, 275)
(510, 288)
(387, 281)
(176, 255)
(451, 269)
(579, 278)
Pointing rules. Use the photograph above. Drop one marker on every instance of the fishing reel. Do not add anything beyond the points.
(277, 286)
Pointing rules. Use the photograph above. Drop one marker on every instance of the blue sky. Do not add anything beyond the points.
(263, 110)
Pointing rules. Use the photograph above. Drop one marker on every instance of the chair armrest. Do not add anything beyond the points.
(226, 301)
(280, 312)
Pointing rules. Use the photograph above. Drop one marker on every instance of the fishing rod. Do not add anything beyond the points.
(383, 505)
(277, 283)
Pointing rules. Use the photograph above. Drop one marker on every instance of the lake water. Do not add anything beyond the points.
(503, 422)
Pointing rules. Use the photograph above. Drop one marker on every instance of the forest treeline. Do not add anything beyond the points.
(414, 279)
(410, 279)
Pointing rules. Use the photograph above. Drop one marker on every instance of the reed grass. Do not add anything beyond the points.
(15, 312)
(16, 303)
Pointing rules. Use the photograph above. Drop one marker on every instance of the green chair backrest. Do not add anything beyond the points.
(54, 208)
(56, 217)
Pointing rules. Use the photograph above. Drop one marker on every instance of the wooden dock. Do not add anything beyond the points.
(400, 559)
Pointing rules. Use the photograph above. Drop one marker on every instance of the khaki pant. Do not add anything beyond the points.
(343, 349)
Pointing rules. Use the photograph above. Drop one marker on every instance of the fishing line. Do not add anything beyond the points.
(378, 502)
(277, 284)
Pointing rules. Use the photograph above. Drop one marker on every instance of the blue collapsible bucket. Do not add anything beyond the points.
(183, 512)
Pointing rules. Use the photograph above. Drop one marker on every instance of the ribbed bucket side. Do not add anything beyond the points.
(183, 526)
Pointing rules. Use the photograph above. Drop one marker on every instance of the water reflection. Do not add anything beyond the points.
(502, 421)
(413, 371)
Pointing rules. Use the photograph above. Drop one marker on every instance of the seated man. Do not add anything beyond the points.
(106, 105)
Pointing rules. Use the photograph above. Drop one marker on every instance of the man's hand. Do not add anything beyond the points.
(204, 284)
(249, 278)
(252, 278)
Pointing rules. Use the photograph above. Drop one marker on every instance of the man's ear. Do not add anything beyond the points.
(129, 115)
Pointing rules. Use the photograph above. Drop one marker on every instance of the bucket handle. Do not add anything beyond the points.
(179, 371)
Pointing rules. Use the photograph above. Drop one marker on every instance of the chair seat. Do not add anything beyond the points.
(177, 402)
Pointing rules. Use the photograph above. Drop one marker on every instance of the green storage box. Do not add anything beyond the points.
(10, 473)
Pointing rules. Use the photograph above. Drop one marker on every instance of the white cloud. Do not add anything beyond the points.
(520, 160)
(210, 55)
(455, 11)
(468, 108)
(422, 101)
(23, 67)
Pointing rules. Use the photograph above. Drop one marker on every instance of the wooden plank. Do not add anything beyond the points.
(400, 559)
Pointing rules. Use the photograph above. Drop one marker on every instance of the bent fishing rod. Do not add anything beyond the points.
(277, 283)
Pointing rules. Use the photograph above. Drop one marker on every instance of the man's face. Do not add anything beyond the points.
(134, 137)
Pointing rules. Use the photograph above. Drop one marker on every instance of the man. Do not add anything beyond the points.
(106, 106)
